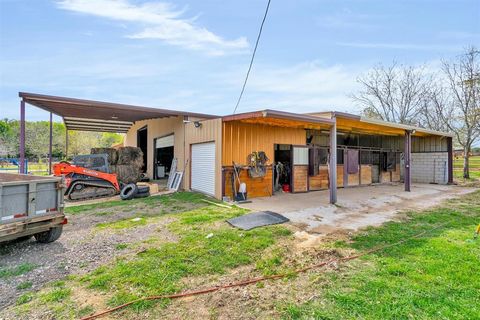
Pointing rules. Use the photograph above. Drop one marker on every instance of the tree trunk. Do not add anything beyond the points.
(466, 169)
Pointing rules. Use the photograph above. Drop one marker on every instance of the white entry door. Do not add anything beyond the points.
(203, 168)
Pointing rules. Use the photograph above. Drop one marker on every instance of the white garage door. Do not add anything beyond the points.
(164, 142)
(203, 167)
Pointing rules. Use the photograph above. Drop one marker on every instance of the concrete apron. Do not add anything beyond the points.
(357, 207)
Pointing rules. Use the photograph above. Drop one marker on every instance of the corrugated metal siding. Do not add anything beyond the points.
(210, 131)
(241, 139)
(429, 144)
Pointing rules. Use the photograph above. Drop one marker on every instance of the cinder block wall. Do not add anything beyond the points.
(430, 167)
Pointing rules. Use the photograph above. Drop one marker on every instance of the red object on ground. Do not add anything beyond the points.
(286, 188)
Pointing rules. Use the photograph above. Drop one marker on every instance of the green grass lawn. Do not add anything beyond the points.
(169, 201)
(474, 168)
(35, 168)
(474, 162)
(474, 175)
(206, 245)
(159, 270)
(433, 277)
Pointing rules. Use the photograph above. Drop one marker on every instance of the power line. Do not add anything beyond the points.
(253, 57)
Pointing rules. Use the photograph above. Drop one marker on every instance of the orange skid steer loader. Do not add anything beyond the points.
(88, 177)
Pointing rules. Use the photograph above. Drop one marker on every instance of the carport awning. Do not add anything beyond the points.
(90, 115)
(85, 124)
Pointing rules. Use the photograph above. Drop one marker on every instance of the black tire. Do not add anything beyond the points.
(129, 191)
(50, 235)
(143, 195)
(143, 189)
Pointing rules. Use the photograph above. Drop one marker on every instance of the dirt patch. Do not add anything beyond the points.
(83, 247)
(257, 301)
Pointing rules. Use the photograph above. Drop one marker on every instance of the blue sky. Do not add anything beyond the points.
(193, 55)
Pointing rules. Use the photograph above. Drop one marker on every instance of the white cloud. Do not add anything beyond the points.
(305, 87)
(159, 20)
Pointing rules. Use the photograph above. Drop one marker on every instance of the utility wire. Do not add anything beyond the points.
(253, 57)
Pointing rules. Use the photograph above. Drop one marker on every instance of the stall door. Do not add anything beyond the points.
(203, 168)
(300, 169)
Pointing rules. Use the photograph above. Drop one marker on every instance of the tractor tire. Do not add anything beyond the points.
(129, 191)
(50, 235)
(143, 195)
(143, 189)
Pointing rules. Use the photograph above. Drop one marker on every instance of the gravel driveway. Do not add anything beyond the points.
(81, 248)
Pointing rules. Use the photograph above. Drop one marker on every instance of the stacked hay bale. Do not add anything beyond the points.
(110, 152)
(129, 164)
(126, 162)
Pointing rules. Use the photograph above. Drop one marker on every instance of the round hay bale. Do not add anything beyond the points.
(130, 156)
(111, 154)
(127, 173)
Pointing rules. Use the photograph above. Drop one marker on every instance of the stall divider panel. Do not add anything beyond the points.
(300, 169)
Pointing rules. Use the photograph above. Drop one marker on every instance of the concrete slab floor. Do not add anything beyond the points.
(357, 207)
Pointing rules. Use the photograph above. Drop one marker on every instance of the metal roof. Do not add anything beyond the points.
(406, 127)
(361, 119)
(279, 115)
(91, 115)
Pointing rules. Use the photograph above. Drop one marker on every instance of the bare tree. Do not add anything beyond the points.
(428, 116)
(457, 103)
(396, 93)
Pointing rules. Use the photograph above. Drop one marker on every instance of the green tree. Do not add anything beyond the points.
(37, 137)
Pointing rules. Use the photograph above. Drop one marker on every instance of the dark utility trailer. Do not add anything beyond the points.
(31, 205)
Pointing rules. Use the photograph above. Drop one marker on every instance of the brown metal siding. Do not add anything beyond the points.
(241, 139)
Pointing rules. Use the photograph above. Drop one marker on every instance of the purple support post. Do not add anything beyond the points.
(408, 158)
(450, 160)
(333, 163)
(66, 143)
(50, 147)
(22, 136)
